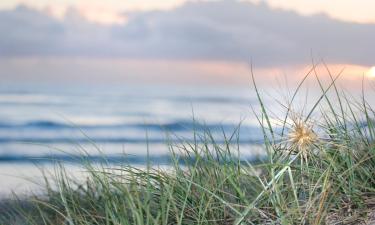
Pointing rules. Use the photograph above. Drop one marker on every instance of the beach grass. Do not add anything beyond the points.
(314, 172)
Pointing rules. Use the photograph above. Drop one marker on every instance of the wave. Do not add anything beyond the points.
(53, 132)
(163, 159)
(179, 125)
(98, 140)
(115, 158)
(35, 124)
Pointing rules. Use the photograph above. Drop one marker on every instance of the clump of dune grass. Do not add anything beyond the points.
(315, 172)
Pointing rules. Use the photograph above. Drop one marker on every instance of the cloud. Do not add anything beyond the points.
(213, 30)
(25, 31)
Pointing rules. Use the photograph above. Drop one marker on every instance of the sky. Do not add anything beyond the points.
(204, 42)
(348, 10)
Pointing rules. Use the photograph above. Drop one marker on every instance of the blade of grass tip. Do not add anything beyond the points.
(356, 122)
(326, 97)
(266, 139)
(261, 102)
(294, 96)
(337, 94)
(226, 142)
(321, 97)
(90, 140)
(340, 123)
(195, 128)
(237, 133)
(148, 175)
(368, 119)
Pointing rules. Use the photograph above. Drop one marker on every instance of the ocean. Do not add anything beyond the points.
(41, 124)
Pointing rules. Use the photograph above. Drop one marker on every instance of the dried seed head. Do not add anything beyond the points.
(302, 136)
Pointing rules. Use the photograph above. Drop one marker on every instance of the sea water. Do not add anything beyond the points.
(43, 123)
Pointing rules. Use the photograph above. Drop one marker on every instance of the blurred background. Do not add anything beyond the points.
(111, 76)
